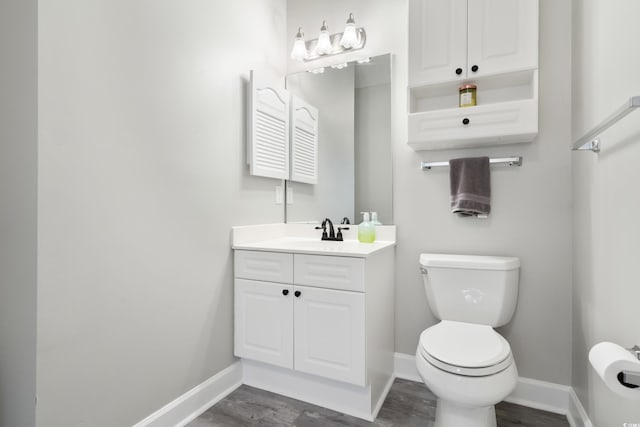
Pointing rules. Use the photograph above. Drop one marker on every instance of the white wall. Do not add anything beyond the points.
(606, 202)
(18, 162)
(141, 175)
(531, 205)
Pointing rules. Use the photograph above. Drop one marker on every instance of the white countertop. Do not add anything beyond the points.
(304, 239)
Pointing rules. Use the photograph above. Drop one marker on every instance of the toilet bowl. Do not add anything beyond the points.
(462, 359)
(468, 374)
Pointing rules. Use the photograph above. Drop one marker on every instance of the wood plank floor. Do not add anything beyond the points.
(408, 404)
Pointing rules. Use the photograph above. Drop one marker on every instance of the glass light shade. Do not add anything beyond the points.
(299, 51)
(349, 37)
(324, 41)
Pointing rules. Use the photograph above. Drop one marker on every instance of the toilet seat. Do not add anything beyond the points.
(465, 349)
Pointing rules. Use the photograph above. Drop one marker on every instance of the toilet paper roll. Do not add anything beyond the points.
(609, 360)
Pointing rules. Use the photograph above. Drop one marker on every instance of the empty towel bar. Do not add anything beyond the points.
(509, 161)
(590, 140)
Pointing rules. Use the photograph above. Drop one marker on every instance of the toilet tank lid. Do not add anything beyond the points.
(476, 262)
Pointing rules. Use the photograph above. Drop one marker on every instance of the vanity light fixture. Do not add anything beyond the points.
(324, 45)
(317, 70)
(340, 66)
(350, 36)
(299, 51)
(363, 60)
(352, 39)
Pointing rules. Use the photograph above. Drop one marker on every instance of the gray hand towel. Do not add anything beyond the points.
(470, 186)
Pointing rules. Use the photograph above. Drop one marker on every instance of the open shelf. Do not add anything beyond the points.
(507, 112)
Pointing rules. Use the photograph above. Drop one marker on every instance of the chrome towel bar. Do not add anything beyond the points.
(590, 140)
(509, 161)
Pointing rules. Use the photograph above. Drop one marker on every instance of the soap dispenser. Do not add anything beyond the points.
(366, 229)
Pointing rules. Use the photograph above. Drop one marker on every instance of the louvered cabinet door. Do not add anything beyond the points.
(304, 141)
(268, 129)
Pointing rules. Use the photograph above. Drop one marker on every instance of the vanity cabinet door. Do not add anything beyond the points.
(330, 334)
(264, 322)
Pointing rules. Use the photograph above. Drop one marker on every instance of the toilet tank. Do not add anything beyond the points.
(471, 288)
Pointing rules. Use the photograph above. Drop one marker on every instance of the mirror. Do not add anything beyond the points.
(354, 143)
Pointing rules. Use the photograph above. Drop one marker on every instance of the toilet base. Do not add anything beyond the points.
(449, 414)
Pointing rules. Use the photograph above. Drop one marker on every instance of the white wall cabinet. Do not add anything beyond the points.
(455, 40)
(490, 43)
(330, 325)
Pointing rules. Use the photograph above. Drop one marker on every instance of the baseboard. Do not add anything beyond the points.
(576, 414)
(405, 367)
(543, 395)
(190, 405)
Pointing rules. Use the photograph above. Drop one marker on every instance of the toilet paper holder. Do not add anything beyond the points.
(627, 378)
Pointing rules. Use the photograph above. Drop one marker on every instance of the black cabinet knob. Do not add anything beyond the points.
(458, 71)
(465, 121)
(474, 68)
(285, 292)
(297, 294)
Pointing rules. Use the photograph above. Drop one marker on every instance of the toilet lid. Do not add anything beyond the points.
(465, 345)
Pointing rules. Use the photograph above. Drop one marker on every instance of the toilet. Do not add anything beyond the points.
(462, 359)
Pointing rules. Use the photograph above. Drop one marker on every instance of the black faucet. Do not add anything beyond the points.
(331, 236)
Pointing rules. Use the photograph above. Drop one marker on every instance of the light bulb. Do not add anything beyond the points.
(324, 40)
(299, 51)
(349, 37)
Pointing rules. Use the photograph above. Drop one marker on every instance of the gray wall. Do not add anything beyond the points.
(18, 196)
(142, 173)
(606, 200)
(531, 215)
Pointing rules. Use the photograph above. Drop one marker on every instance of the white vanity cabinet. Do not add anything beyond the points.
(312, 325)
(456, 40)
(319, 328)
